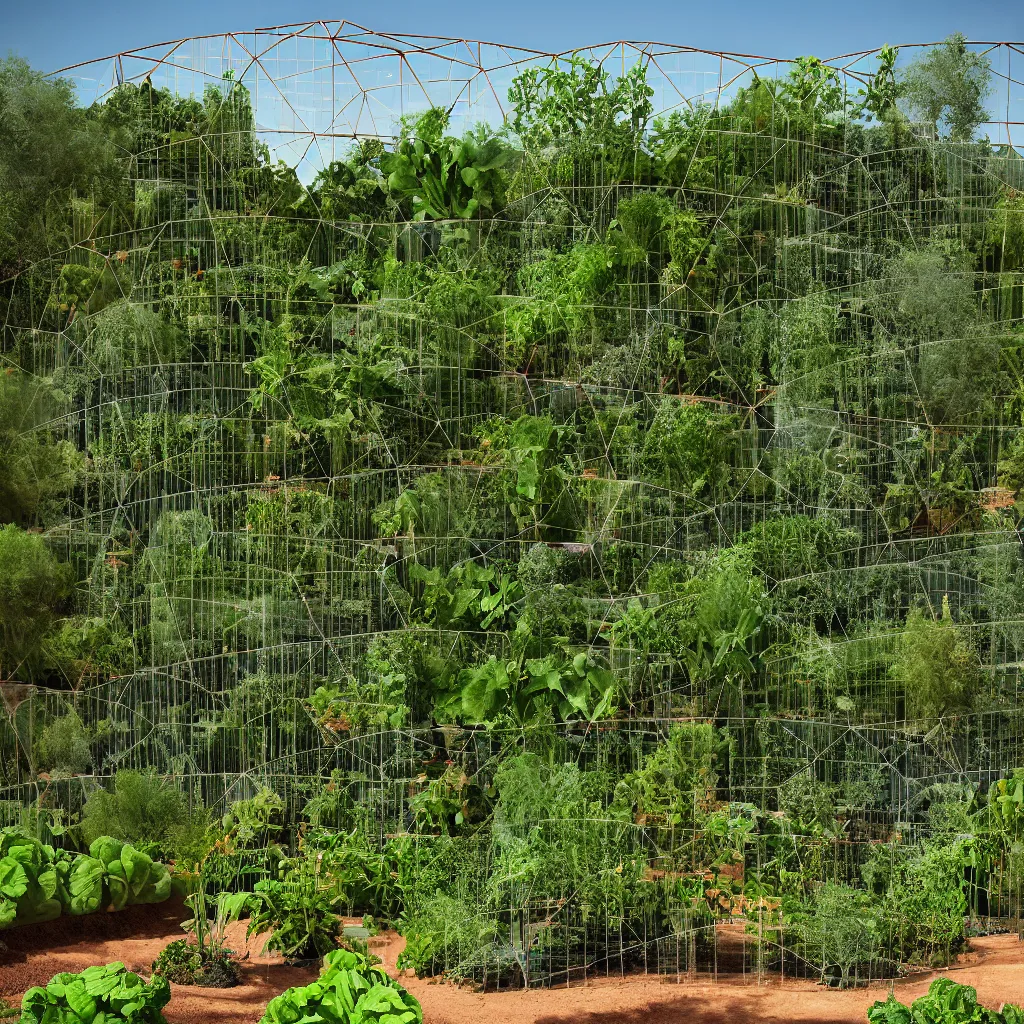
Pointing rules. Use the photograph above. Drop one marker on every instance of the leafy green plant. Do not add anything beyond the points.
(573, 99)
(331, 804)
(126, 334)
(947, 1002)
(33, 589)
(1004, 806)
(81, 883)
(688, 447)
(255, 822)
(838, 931)
(33, 468)
(184, 962)
(576, 686)
(359, 874)
(560, 295)
(299, 911)
(349, 991)
(54, 148)
(444, 178)
(470, 595)
(28, 880)
(444, 932)
(141, 808)
(923, 899)
(38, 883)
(64, 746)
(879, 98)
(99, 995)
(353, 705)
(937, 665)
(677, 781)
(130, 875)
(526, 448)
(448, 801)
(947, 85)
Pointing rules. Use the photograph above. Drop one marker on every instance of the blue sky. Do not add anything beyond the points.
(54, 33)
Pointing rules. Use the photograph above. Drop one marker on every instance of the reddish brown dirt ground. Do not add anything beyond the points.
(33, 955)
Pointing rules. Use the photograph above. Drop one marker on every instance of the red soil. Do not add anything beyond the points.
(995, 966)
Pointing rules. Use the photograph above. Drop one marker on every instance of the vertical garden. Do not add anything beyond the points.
(566, 508)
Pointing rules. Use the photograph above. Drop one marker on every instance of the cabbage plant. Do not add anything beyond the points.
(348, 991)
(99, 995)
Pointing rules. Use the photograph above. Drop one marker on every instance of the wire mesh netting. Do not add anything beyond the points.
(607, 528)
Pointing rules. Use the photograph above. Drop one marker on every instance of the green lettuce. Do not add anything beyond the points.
(99, 995)
(348, 991)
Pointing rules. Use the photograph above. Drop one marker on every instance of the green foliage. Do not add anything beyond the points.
(712, 620)
(255, 822)
(937, 666)
(82, 884)
(554, 839)
(678, 780)
(350, 990)
(922, 900)
(64, 747)
(35, 469)
(643, 221)
(805, 352)
(445, 932)
(130, 876)
(356, 871)
(1004, 808)
(99, 994)
(839, 932)
(205, 951)
(1004, 231)
(28, 880)
(354, 706)
(782, 547)
(184, 963)
(574, 687)
(50, 147)
(688, 448)
(90, 648)
(470, 595)
(141, 808)
(561, 298)
(947, 87)
(882, 88)
(947, 1002)
(124, 334)
(574, 99)
(444, 178)
(33, 589)
(526, 447)
(300, 915)
(447, 802)
(808, 803)
(926, 304)
(1011, 465)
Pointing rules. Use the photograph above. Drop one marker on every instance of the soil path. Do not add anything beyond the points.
(31, 956)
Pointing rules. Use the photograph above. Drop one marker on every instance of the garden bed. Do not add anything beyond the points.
(995, 966)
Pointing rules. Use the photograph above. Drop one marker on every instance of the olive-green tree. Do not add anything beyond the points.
(947, 86)
(34, 587)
